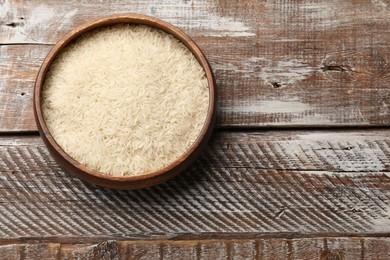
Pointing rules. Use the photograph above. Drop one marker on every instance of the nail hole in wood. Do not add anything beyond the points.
(22, 94)
(276, 84)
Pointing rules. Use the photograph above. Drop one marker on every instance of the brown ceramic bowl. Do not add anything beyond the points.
(128, 182)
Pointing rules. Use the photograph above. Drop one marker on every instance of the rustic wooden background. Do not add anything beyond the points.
(299, 167)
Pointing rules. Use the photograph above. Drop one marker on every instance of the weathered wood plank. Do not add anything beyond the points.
(314, 248)
(18, 66)
(376, 249)
(242, 250)
(104, 250)
(179, 251)
(277, 63)
(289, 183)
(214, 250)
(146, 250)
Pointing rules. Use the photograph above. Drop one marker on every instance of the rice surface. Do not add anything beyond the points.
(125, 100)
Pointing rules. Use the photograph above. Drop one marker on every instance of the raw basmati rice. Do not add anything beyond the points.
(125, 100)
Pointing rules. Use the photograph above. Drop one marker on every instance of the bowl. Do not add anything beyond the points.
(125, 182)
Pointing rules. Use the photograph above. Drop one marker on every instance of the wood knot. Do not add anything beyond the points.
(363, 66)
(14, 24)
(340, 68)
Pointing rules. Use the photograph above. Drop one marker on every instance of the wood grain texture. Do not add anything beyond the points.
(277, 63)
(247, 185)
(263, 249)
(18, 68)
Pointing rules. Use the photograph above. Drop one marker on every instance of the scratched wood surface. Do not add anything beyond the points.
(267, 249)
(277, 63)
(272, 184)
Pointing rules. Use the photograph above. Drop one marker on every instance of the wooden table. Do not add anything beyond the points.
(298, 168)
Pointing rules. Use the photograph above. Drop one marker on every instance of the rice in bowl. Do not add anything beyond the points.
(125, 100)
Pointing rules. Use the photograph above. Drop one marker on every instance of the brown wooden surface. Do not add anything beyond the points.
(266, 249)
(256, 193)
(277, 63)
(272, 184)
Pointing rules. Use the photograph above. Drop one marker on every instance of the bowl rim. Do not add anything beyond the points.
(130, 18)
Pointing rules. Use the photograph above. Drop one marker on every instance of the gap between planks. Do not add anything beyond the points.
(153, 238)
